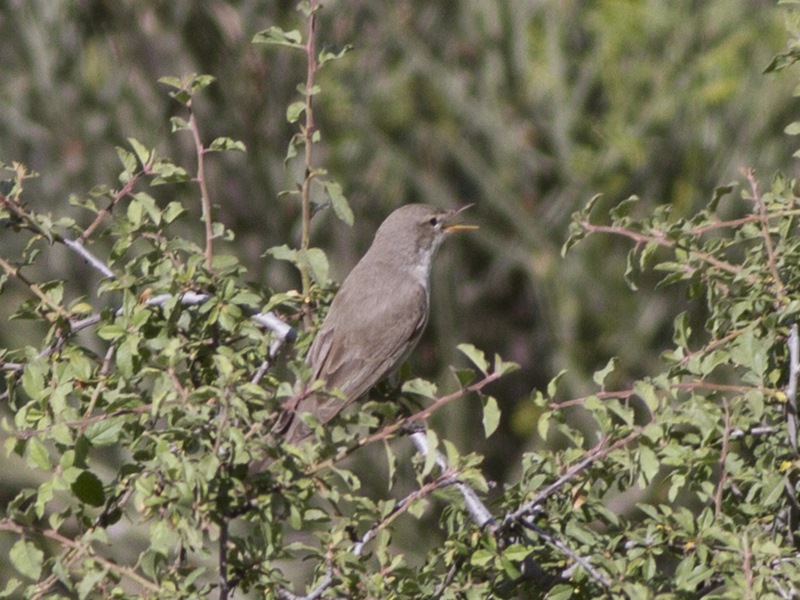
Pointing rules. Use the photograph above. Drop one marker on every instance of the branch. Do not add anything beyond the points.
(791, 388)
(35, 289)
(566, 550)
(723, 457)
(308, 131)
(403, 423)
(402, 506)
(772, 263)
(283, 331)
(101, 214)
(662, 240)
(477, 509)
(601, 450)
(81, 549)
(77, 246)
(205, 198)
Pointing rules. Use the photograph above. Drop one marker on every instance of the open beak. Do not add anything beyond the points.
(458, 226)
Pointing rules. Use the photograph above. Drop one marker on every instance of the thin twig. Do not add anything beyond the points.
(772, 262)
(308, 131)
(101, 384)
(123, 192)
(205, 198)
(82, 549)
(24, 434)
(403, 423)
(601, 450)
(662, 240)
(566, 550)
(723, 457)
(35, 289)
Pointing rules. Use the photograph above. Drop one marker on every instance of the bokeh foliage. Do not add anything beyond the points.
(527, 109)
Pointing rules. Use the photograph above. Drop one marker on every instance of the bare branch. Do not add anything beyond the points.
(205, 198)
(477, 509)
(566, 550)
(791, 388)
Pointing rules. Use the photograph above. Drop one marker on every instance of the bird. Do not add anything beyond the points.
(377, 316)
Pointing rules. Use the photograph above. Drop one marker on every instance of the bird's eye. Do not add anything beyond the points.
(434, 221)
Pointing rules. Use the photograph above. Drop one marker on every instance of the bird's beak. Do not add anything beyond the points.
(458, 226)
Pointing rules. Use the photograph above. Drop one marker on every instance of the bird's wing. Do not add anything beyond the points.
(383, 325)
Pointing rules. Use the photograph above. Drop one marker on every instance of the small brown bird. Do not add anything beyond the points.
(379, 313)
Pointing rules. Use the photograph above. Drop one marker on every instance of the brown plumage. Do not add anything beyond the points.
(379, 313)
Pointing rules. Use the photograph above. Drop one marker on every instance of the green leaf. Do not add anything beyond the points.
(503, 367)
(198, 82)
(38, 455)
(623, 209)
(774, 488)
(89, 582)
(391, 463)
(327, 56)
(283, 253)
(648, 463)
(178, 124)
(476, 356)
(317, 263)
(543, 424)
(430, 457)
(89, 489)
(516, 552)
(647, 392)
(294, 110)
(421, 387)
(127, 159)
(33, 378)
(105, 432)
(167, 172)
(277, 36)
(172, 211)
(27, 559)
(142, 153)
(481, 557)
(10, 589)
(491, 416)
(552, 386)
(312, 91)
(600, 376)
(338, 202)
(224, 144)
(172, 82)
(163, 538)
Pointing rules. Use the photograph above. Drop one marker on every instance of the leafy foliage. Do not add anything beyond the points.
(142, 409)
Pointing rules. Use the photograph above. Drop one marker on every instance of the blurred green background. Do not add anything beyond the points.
(525, 108)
